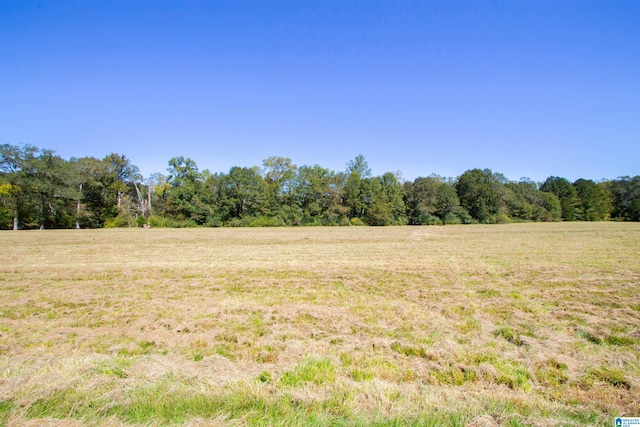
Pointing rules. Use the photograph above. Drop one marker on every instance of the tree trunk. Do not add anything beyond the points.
(42, 211)
(144, 205)
(16, 213)
(78, 216)
(141, 203)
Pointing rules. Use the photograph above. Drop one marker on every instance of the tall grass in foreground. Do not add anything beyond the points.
(512, 325)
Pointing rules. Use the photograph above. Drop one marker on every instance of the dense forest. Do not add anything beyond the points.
(39, 189)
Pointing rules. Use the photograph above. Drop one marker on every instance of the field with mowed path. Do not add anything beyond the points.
(521, 324)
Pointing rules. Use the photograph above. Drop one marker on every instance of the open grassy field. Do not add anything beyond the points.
(531, 324)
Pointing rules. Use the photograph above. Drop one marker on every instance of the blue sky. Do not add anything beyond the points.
(525, 88)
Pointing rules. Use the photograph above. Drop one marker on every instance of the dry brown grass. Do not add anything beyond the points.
(517, 324)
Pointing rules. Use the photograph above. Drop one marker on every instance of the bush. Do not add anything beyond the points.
(451, 219)
(357, 221)
(156, 221)
(313, 221)
(186, 223)
(214, 222)
(401, 220)
(426, 218)
(267, 221)
(118, 222)
(498, 219)
(141, 221)
(464, 216)
(342, 222)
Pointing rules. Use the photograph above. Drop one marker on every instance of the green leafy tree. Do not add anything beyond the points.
(551, 204)
(384, 204)
(433, 200)
(625, 197)
(566, 194)
(47, 180)
(98, 197)
(482, 194)
(594, 203)
(41, 187)
(356, 188)
(115, 180)
(527, 202)
(186, 198)
(160, 188)
(8, 195)
(421, 197)
(280, 185)
(83, 177)
(14, 169)
(119, 176)
(242, 195)
(359, 166)
(521, 199)
(448, 207)
(318, 190)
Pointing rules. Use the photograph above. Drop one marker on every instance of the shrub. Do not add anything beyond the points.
(156, 221)
(118, 222)
(214, 222)
(141, 221)
(464, 215)
(498, 219)
(234, 222)
(267, 221)
(451, 219)
(426, 218)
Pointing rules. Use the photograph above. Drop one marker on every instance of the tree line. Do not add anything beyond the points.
(39, 189)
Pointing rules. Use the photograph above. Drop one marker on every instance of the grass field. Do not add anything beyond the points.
(531, 324)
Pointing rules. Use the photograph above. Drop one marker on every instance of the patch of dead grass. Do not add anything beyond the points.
(531, 320)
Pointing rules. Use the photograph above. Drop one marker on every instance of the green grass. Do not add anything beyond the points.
(509, 335)
(552, 373)
(160, 404)
(310, 370)
(608, 374)
(170, 408)
(521, 324)
(620, 340)
(408, 350)
(6, 406)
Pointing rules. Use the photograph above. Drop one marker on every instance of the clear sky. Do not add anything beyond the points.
(525, 88)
